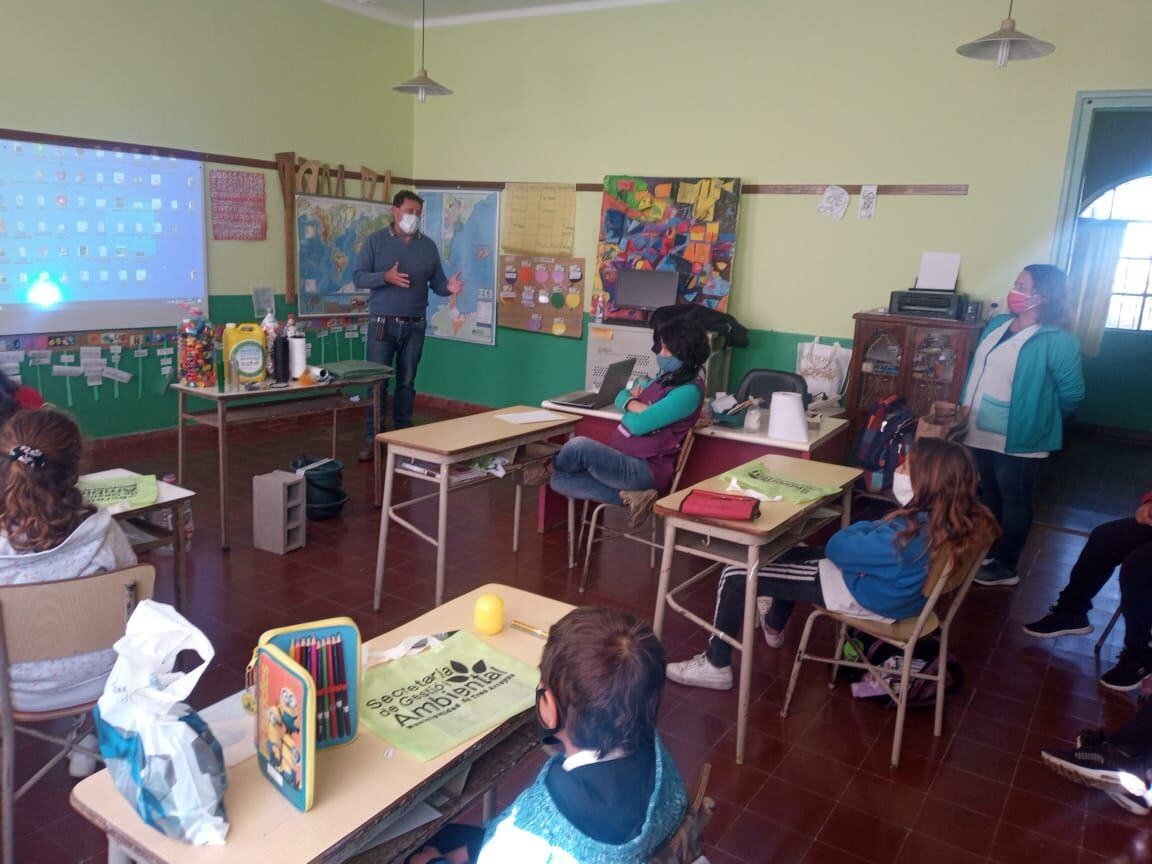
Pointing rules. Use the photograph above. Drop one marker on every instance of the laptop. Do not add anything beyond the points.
(615, 380)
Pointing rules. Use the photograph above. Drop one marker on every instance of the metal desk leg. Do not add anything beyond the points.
(748, 637)
(846, 508)
(116, 853)
(665, 575)
(571, 532)
(385, 512)
(222, 443)
(516, 518)
(179, 554)
(180, 405)
(376, 444)
(489, 809)
(442, 533)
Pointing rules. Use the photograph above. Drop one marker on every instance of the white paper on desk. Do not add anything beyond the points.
(530, 417)
(938, 271)
(734, 486)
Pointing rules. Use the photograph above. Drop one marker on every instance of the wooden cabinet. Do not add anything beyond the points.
(921, 359)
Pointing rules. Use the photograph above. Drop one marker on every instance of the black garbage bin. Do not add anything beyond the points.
(324, 486)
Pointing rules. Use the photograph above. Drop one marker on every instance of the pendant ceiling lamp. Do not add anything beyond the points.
(422, 86)
(1006, 44)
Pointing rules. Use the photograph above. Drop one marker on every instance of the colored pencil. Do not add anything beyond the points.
(332, 716)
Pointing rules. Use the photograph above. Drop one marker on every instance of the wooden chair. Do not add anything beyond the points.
(48, 621)
(687, 844)
(591, 524)
(902, 635)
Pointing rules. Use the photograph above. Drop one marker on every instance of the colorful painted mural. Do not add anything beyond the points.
(683, 225)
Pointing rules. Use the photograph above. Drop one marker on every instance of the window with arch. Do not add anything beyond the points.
(1130, 307)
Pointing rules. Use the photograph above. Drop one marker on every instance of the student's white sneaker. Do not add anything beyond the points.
(698, 672)
(772, 640)
(81, 764)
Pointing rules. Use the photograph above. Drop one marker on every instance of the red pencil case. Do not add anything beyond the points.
(717, 505)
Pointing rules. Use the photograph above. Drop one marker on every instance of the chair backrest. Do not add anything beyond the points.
(762, 383)
(51, 620)
(682, 458)
(955, 581)
(687, 844)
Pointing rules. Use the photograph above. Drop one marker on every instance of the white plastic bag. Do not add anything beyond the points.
(160, 754)
(824, 368)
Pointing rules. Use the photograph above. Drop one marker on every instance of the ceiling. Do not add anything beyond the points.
(444, 13)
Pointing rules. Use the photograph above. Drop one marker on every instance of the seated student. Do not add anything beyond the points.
(869, 569)
(14, 397)
(1119, 763)
(613, 796)
(1123, 542)
(48, 533)
(637, 464)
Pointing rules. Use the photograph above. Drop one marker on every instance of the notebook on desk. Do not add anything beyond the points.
(615, 380)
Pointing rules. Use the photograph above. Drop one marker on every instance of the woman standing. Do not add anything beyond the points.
(1024, 380)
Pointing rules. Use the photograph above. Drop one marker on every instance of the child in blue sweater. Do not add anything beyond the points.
(869, 570)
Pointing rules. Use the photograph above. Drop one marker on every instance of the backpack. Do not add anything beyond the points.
(925, 658)
(884, 441)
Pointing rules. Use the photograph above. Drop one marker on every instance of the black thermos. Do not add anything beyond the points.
(280, 359)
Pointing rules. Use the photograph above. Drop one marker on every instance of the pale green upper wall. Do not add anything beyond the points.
(837, 91)
(239, 77)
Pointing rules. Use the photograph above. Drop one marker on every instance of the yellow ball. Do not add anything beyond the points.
(488, 616)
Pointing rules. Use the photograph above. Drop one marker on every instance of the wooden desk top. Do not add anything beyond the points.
(461, 434)
(773, 514)
(292, 388)
(356, 784)
(829, 427)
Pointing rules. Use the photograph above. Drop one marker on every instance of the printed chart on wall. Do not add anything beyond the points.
(544, 295)
(329, 233)
(683, 225)
(465, 228)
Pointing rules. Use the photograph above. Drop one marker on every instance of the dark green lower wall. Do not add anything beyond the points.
(1119, 383)
(530, 367)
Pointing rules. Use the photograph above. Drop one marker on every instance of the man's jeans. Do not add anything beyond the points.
(401, 347)
(588, 470)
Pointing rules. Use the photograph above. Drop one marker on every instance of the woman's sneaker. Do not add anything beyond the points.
(1059, 622)
(996, 573)
(1094, 763)
(772, 639)
(639, 503)
(698, 672)
(1130, 801)
(1130, 670)
(536, 473)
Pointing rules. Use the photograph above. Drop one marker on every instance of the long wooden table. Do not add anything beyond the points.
(359, 787)
(781, 526)
(232, 407)
(449, 443)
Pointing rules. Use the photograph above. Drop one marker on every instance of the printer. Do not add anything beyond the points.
(929, 304)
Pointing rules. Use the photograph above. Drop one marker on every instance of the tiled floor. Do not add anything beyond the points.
(816, 787)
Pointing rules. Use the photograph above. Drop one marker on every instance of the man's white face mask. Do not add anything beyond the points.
(409, 223)
(902, 488)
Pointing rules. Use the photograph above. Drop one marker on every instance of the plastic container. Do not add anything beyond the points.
(324, 494)
(244, 352)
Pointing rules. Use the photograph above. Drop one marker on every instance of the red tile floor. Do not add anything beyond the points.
(815, 787)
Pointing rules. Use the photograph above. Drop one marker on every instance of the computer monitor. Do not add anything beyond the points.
(645, 289)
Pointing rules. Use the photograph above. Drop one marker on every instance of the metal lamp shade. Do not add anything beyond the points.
(422, 86)
(1006, 44)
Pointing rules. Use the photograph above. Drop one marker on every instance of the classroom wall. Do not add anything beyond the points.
(248, 78)
(832, 92)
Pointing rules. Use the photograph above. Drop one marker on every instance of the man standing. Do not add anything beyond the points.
(399, 265)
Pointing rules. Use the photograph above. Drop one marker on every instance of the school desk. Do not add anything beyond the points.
(716, 449)
(359, 786)
(232, 407)
(146, 535)
(444, 445)
(781, 526)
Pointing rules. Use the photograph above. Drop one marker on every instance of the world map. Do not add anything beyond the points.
(329, 234)
(464, 226)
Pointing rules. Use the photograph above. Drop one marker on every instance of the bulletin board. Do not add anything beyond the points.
(542, 294)
(683, 224)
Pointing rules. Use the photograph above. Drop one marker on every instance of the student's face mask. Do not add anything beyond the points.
(409, 223)
(902, 488)
(668, 364)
